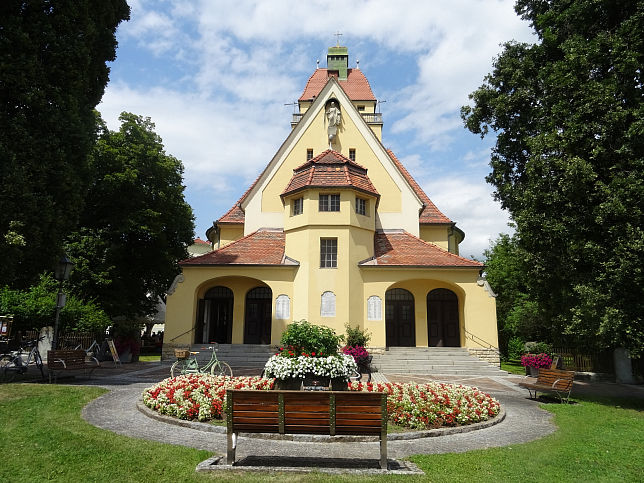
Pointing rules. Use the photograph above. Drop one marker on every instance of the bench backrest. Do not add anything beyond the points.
(549, 376)
(307, 412)
(71, 357)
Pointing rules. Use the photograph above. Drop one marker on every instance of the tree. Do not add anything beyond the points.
(52, 76)
(35, 308)
(135, 225)
(568, 163)
(516, 314)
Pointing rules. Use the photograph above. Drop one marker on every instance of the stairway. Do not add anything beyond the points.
(433, 360)
(396, 360)
(238, 356)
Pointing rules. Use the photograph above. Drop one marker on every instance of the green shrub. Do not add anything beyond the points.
(35, 308)
(516, 348)
(306, 337)
(356, 336)
(538, 347)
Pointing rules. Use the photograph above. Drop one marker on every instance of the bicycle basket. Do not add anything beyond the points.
(181, 353)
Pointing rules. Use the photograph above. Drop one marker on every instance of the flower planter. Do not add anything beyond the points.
(290, 384)
(532, 371)
(339, 384)
(311, 380)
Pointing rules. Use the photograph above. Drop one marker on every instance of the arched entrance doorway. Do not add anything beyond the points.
(215, 317)
(257, 320)
(442, 318)
(400, 323)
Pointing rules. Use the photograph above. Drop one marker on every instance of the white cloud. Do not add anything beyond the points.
(210, 136)
(470, 204)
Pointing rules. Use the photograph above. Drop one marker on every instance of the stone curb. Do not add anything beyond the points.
(318, 465)
(314, 438)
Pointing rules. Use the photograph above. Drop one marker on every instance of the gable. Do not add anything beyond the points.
(399, 204)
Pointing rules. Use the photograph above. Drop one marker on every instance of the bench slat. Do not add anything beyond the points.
(297, 412)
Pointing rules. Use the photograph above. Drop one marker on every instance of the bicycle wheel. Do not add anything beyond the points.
(9, 369)
(221, 369)
(179, 367)
(39, 364)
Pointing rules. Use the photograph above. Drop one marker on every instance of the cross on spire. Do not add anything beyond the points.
(337, 41)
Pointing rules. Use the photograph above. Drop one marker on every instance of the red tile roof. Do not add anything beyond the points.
(356, 86)
(330, 169)
(199, 241)
(429, 214)
(236, 215)
(401, 248)
(263, 247)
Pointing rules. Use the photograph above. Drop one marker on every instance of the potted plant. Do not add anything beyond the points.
(533, 362)
(309, 352)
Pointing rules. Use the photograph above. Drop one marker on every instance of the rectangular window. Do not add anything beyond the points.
(361, 206)
(329, 203)
(309, 154)
(298, 206)
(360, 108)
(352, 154)
(328, 252)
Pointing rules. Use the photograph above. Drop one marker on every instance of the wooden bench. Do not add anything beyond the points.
(70, 360)
(306, 412)
(551, 380)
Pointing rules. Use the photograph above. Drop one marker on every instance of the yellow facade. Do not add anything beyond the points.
(362, 285)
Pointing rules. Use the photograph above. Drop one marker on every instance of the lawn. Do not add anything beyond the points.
(513, 367)
(43, 437)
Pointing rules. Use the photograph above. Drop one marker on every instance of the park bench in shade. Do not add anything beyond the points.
(306, 412)
(67, 360)
(551, 380)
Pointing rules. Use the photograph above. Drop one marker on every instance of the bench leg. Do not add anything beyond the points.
(383, 453)
(232, 446)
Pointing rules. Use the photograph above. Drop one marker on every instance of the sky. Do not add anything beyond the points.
(217, 78)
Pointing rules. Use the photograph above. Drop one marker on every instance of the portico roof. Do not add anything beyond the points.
(262, 247)
(402, 249)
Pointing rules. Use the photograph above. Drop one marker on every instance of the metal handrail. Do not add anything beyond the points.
(483, 342)
(182, 333)
(369, 117)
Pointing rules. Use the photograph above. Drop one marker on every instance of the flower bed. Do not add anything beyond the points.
(417, 406)
(432, 405)
(197, 397)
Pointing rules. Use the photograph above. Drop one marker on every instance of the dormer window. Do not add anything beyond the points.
(298, 206)
(329, 203)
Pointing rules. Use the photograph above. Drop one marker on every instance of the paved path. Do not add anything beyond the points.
(116, 411)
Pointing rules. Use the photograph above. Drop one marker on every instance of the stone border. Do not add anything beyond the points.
(316, 438)
(308, 465)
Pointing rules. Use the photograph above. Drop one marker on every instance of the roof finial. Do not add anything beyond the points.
(338, 35)
(317, 64)
(358, 64)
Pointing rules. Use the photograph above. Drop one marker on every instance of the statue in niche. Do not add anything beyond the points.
(334, 117)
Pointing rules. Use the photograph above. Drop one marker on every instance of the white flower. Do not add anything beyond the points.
(341, 365)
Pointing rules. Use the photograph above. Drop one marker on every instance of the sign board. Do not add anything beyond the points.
(115, 354)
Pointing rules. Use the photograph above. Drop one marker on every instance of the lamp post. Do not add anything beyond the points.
(62, 272)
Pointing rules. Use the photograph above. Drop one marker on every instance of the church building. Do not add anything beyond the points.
(334, 231)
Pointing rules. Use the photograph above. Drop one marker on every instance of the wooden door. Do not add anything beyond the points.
(258, 317)
(400, 322)
(442, 319)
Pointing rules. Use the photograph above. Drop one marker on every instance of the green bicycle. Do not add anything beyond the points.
(187, 363)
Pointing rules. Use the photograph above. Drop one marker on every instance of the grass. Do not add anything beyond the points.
(513, 367)
(152, 358)
(43, 437)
